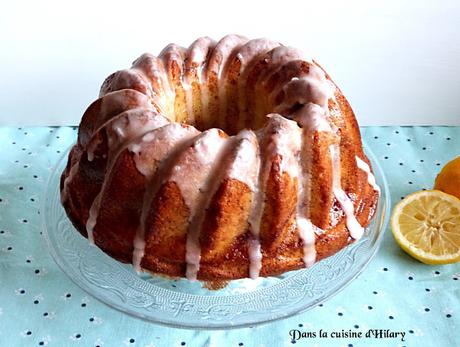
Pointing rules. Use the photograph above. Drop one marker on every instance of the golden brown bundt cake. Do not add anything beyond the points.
(225, 160)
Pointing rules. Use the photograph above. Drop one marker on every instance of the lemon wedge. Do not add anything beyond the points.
(426, 224)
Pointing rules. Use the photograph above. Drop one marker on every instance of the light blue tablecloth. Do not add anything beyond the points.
(39, 305)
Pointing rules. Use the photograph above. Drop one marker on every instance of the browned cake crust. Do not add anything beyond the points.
(152, 181)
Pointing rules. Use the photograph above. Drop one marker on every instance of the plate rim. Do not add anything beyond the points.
(384, 204)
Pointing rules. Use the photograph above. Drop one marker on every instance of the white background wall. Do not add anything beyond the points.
(398, 62)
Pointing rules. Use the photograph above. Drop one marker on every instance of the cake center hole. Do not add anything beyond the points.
(204, 109)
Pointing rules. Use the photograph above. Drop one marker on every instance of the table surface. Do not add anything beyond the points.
(40, 305)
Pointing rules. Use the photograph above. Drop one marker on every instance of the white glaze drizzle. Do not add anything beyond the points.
(197, 55)
(225, 48)
(187, 174)
(312, 118)
(282, 55)
(193, 250)
(105, 108)
(112, 105)
(190, 175)
(314, 91)
(131, 124)
(370, 177)
(292, 151)
(172, 53)
(131, 129)
(281, 137)
(304, 90)
(253, 48)
(123, 80)
(255, 256)
(92, 218)
(310, 92)
(163, 143)
(277, 58)
(255, 215)
(72, 172)
(354, 228)
(116, 100)
(304, 225)
(124, 127)
(286, 142)
(311, 88)
(153, 69)
(307, 235)
(212, 183)
(92, 146)
(243, 167)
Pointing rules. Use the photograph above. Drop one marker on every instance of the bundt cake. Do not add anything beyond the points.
(229, 159)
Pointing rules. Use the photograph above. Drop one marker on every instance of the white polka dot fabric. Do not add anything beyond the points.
(40, 306)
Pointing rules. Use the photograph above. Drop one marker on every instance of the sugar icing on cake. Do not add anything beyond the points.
(229, 159)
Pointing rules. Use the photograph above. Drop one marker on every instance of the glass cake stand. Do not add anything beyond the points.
(180, 303)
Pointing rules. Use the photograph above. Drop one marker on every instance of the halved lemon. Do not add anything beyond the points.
(426, 224)
(448, 180)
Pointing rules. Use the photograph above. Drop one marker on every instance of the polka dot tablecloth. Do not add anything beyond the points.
(40, 306)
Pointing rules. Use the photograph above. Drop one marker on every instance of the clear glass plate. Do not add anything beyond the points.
(180, 303)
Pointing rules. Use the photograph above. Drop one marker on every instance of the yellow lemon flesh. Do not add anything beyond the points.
(426, 224)
(448, 180)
